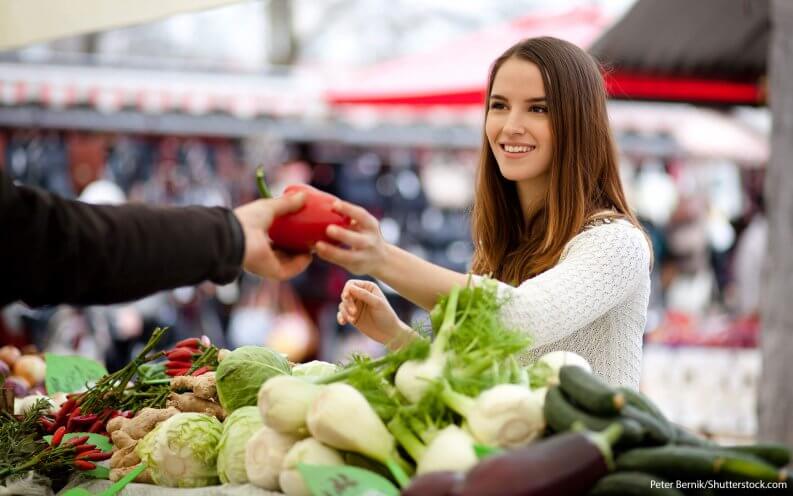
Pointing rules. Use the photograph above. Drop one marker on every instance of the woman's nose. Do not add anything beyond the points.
(513, 126)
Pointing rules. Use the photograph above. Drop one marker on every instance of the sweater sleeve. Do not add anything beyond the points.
(601, 267)
(63, 251)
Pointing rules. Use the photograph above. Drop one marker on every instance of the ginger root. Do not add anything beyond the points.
(142, 423)
(143, 477)
(189, 402)
(125, 457)
(121, 439)
(203, 386)
(125, 434)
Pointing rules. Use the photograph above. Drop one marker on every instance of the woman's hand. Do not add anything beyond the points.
(365, 306)
(365, 247)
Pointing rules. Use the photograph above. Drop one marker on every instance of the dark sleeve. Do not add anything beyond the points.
(60, 251)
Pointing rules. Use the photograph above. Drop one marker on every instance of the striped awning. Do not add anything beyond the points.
(110, 90)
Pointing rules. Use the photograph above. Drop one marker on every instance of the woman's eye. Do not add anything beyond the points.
(538, 109)
(497, 105)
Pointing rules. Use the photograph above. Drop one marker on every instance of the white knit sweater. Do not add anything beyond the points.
(593, 302)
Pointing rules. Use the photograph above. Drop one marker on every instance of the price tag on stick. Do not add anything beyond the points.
(343, 480)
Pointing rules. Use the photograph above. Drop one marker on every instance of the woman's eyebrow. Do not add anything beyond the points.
(536, 99)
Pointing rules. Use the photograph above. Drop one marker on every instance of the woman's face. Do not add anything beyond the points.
(517, 124)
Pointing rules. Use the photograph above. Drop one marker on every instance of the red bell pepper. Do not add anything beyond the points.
(299, 231)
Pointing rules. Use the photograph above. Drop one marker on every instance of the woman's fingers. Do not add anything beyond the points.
(334, 254)
(349, 238)
(364, 295)
(350, 309)
(356, 213)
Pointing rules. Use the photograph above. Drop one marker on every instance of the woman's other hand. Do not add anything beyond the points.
(364, 305)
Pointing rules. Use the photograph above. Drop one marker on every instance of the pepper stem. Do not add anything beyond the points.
(264, 191)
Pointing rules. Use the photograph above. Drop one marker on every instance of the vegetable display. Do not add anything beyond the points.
(456, 416)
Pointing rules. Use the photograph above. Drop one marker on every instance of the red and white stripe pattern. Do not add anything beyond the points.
(155, 92)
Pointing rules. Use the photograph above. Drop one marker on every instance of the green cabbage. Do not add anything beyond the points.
(240, 375)
(315, 369)
(238, 428)
(182, 451)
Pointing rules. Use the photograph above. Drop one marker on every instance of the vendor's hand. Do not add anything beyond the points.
(365, 306)
(365, 247)
(260, 258)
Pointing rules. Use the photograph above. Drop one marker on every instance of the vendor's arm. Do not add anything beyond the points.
(602, 267)
(61, 251)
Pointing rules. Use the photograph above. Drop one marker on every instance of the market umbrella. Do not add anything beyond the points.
(706, 52)
(32, 21)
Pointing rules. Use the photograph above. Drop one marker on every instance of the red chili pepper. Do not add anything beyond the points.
(97, 426)
(70, 423)
(95, 455)
(84, 465)
(299, 231)
(47, 424)
(58, 436)
(177, 372)
(76, 441)
(85, 419)
(180, 354)
(188, 343)
(200, 370)
(84, 448)
(178, 365)
(66, 409)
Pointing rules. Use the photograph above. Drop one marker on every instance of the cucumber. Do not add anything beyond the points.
(685, 438)
(633, 484)
(642, 402)
(591, 393)
(690, 462)
(657, 431)
(561, 415)
(774, 453)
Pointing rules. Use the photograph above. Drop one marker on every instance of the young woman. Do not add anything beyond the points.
(549, 221)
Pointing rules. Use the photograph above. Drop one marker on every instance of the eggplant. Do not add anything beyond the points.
(444, 483)
(568, 464)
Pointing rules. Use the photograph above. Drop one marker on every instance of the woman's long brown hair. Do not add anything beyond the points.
(583, 177)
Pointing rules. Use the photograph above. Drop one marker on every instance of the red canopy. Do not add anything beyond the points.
(455, 74)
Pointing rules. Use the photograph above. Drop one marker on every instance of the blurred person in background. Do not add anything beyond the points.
(550, 222)
(62, 251)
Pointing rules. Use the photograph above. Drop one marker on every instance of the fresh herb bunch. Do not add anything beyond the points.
(482, 348)
(113, 390)
(24, 447)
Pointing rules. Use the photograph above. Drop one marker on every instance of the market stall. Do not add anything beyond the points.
(458, 415)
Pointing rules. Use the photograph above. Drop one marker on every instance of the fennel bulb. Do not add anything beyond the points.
(284, 401)
(309, 451)
(506, 415)
(264, 455)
